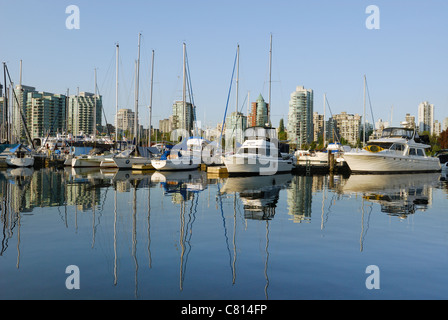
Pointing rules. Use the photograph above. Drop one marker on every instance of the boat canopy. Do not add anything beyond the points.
(19, 147)
(398, 133)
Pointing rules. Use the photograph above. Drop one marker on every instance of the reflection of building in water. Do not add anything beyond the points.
(83, 195)
(30, 189)
(299, 198)
(47, 189)
(123, 186)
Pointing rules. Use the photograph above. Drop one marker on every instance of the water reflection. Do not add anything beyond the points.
(262, 199)
(259, 194)
(398, 194)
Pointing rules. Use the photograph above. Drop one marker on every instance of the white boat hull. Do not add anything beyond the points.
(86, 162)
(366, 162)
(253, 164)
(127, 163)
(20, 162)
(170, 165)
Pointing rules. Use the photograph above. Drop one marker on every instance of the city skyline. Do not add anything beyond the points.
(326, 47)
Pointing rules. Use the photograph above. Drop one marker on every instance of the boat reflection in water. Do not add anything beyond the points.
(259, 194)
(181, 182)
(398, 194)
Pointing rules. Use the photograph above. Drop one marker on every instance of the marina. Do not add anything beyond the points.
(194, 235)
(155, 151)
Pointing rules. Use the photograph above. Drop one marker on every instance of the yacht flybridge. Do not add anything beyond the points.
(398, 150)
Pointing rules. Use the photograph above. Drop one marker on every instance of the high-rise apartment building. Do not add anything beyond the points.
(258, 116)
(84, 113)
(300, 116)
(21, 109)
(124, 122)
(236, 123)
(426, 117)
(409, 122)
(437, 128)
(445, 124)
(42, 113)
(46, 113)
(166, 125)
(348, 126)
(318, 126)
(184, 117)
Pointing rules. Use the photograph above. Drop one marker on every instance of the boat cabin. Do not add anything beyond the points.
(404, 133)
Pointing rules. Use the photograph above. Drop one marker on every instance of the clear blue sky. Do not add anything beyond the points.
(323, 45)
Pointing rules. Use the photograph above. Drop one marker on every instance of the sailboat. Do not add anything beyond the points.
(187, 156)
(133, 156)
(260, 153)
(20, 156)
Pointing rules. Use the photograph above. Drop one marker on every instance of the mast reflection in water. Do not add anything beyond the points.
(189, 235)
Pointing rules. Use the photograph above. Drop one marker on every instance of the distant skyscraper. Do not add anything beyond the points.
(184, 119)
(258, 116)
(437, 128)
(409, 122)
(445, 124)
(300, 117)
(83, 114)
(46, 113)
(426, 117)
(236, 123)
(348, 126)
(318, 124)
(20, 107)
(124, 122)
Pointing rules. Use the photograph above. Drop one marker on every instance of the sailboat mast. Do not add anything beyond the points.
(5, 105)
(150, 101)
(325, 124)
(136, 91)
(270, 80)
(364, 116)
(116, 94)
(184, 90)
(94, 111)
(237, 75)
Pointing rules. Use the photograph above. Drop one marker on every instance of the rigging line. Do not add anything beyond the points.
(104, 113)
(333, 126)
(228, 97)
(190, 87)
(238, 115)
(370, 103)
(5, 67)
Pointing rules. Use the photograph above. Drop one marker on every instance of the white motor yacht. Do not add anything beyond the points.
(398, 150)
(259, 154)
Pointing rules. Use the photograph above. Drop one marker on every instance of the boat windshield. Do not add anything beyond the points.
(398, 133)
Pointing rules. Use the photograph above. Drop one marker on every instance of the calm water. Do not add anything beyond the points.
(192, 236)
